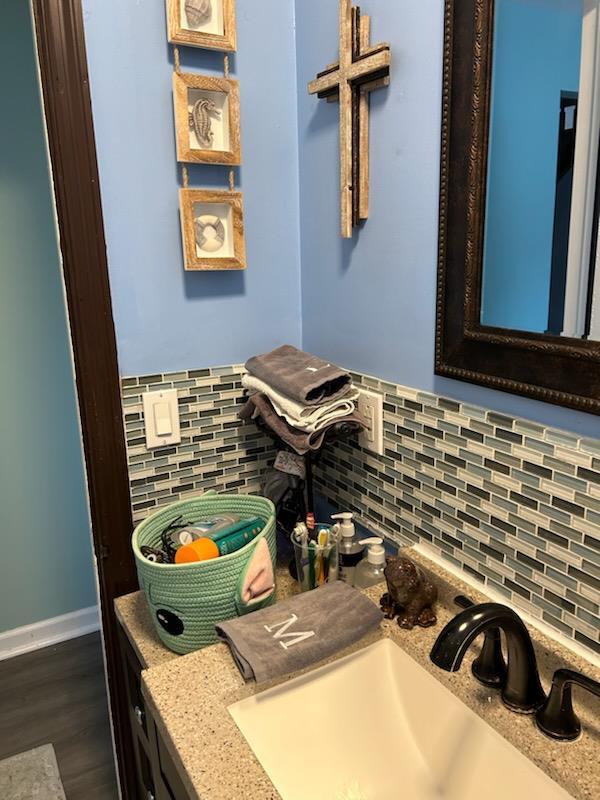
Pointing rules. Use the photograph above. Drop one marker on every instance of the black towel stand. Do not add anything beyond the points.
(308, 483)
(310, 458)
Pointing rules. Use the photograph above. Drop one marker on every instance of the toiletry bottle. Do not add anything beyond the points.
(370, 570)
(205, 549)
(350, 550)
(240, 538)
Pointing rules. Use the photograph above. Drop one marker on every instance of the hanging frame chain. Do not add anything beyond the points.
(226, 75)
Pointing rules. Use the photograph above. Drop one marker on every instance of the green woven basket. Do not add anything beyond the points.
(187, 600)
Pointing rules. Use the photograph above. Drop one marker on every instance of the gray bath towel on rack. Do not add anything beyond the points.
(299, 375)
(298, 632)
(259, 405)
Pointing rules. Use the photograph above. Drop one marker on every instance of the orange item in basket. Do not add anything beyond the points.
(200, 550)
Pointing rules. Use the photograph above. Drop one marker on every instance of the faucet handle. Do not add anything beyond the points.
(556, 717)
(463, 601)
(489, 667)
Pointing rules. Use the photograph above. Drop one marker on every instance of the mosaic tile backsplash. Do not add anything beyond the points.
(514, 504)
(217, 450)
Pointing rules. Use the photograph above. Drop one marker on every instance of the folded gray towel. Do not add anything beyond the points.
(298, 632)
(299, 375)
(260, 405)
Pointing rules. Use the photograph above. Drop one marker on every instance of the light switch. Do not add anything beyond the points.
(161, 418)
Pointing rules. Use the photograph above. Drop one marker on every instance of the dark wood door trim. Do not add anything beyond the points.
(68, 111)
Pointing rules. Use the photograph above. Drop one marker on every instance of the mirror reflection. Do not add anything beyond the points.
(541, 219)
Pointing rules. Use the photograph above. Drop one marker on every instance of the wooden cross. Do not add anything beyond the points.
(360, 70)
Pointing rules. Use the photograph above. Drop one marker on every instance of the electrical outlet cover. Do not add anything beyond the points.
(370, 405)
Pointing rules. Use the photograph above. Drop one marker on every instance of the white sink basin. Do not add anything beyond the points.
(376, 726)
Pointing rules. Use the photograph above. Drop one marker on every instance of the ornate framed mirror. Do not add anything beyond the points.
(518, 305)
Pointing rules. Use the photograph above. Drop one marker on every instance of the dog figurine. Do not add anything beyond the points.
(410, 594)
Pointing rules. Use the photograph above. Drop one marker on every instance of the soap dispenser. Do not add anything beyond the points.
(350, 550)
(370, 570)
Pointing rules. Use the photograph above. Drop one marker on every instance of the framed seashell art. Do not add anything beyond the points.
(207, 119)
(212, 228)
(202, 23)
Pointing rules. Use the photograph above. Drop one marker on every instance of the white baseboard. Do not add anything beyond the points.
(48, 632)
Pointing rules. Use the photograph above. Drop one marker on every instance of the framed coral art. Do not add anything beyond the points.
(207, 119)
(202, 23)
(212, 227)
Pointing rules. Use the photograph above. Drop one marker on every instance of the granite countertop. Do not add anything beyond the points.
(189, 696)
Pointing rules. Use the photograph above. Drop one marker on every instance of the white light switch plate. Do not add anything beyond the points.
(161, 418)
(370, 405)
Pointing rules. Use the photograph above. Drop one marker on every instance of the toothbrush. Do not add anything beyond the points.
(311, 564)
(305, 553)
(323, 540)
(301, 534)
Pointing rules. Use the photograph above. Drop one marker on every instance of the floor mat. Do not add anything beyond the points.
(32, 775)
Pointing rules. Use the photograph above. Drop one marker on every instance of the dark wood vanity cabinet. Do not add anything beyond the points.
(156, 775)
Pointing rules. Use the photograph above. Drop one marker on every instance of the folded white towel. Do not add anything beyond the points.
(305, 418)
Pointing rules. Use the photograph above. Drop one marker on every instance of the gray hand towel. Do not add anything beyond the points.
(299, 375)
(259, 405)
(298, 632)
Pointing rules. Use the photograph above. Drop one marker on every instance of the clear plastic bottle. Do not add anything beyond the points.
(370, 569)
(350, 550)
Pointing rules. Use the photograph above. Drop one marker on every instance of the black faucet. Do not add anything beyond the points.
(489, 667)
(556, 717)
(522, 690)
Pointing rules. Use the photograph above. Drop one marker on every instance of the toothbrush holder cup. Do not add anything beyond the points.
(316, 564)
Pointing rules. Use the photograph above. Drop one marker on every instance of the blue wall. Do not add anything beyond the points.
(46, 564)
(537, 52)
(167, 319)
(370, 303)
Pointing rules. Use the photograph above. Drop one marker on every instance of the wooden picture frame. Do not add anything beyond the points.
(553, 369)
(222, 145)
(218, 33)
(226, 248)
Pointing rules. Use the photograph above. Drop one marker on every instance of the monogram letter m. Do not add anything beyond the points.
(282, 633)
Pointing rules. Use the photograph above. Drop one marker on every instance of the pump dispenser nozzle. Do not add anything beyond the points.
(375, 550)
(346, 526)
